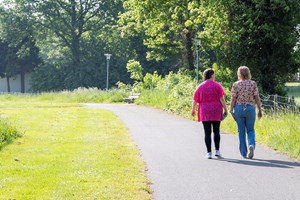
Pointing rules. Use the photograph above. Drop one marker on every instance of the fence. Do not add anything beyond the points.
(276, 103)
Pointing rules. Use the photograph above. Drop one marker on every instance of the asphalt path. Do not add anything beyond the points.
(174, 151)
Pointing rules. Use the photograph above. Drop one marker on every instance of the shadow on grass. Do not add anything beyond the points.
(263, 162)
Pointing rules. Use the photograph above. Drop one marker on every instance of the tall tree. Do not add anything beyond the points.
(169, 28)
(69, 21)
(262, 34)
(21, 55)
(162, 25)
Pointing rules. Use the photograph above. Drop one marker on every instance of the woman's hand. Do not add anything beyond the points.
(193, 112)
(224, 115)
(259, 114)
(232, 114)
(194, 108)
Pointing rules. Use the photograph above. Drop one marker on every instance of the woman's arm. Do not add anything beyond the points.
(233, 100)
(257, 101)
(194, 108)
(232, 103)
(222, 100)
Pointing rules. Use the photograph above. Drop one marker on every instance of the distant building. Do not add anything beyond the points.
(15, 83)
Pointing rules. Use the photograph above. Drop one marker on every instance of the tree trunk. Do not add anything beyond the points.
(75, 48)
(189, 51)
(22, 82)
(8, 83)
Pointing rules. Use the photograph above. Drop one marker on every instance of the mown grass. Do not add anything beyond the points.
(68, 152)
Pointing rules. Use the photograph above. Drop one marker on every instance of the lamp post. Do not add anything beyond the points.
(197, 47)
(107, 68)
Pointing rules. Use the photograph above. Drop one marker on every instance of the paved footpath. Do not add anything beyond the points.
(174, 151)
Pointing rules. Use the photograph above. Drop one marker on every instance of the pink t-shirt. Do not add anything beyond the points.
(208, 95)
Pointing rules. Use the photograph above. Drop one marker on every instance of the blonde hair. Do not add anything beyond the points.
(244, 73)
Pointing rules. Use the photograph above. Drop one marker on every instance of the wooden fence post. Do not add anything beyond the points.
(293, 103)
(275, 98)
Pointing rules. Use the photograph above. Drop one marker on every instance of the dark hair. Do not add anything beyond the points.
(208, 73)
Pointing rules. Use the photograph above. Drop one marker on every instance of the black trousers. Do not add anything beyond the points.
(215, 125)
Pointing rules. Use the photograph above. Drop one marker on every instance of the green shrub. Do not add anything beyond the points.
(7, 133)
(173, 93)
(181, 96)
(135, 69)
(150, 81)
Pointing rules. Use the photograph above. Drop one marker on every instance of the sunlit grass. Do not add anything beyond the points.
(153, 98)
(293, 89)
(279, 131)
(81, 95)
(69, 152)
(293, 84)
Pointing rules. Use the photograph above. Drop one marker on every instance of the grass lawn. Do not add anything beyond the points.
(69, 152)
(293, 89)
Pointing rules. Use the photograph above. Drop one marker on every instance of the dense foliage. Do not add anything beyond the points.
(262, 35)
(19, 52)
(62, 43)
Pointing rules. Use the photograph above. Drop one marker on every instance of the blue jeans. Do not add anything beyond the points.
(245, 119)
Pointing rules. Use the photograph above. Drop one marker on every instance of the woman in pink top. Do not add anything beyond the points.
(209, 96)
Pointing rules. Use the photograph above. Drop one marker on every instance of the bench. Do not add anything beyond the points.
(131, 98)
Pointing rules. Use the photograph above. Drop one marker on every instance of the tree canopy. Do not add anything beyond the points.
(63, 42)
(18, 48)
(263, 36)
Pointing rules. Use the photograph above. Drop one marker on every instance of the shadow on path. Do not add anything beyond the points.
(263, 162)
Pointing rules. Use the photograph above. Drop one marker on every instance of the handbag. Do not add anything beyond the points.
(224, 115)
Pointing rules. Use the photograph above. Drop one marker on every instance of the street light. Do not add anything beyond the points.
(197, 47)
(107, 68)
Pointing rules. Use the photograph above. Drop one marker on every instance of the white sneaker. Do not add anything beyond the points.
(251, 152)
(218, 154)
(209, 155)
